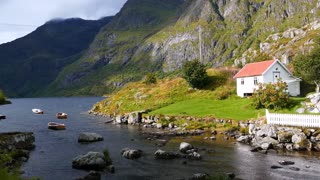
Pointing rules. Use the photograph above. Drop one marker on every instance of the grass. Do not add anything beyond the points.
(235, 109)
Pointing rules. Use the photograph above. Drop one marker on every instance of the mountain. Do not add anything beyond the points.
(32, 62)
(159, 36)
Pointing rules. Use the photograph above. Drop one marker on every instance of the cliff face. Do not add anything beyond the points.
(148, 35)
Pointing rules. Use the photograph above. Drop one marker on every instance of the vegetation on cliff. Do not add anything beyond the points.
(3, 99)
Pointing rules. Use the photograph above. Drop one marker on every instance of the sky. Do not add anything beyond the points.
(20, 17)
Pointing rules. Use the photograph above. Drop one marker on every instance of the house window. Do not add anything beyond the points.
(242, 81)
(255, 80)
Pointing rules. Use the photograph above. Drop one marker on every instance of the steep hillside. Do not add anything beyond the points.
(161, 35)
(30, 63)
(157, 36)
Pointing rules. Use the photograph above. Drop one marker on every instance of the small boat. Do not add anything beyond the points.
(56, 126)
(2, 116)
(62, 115)
(37, 111)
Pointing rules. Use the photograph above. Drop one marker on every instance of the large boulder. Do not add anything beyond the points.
(267, 130)
(160, 154)
(244, 139)
(300, 142)
(90, 161)
(285, 137)
(259, 141)
(17, 140)
(184, 147)
(134, 117)
(89, 137)
(131, 153)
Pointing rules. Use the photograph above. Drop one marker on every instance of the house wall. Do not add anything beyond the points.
(268, 77)
(248, 86)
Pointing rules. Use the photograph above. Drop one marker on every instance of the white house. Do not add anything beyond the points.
(265, 72)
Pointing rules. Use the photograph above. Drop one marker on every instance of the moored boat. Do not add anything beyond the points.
(2, 116)
(56, 126)
(37, 111)
(62, 115)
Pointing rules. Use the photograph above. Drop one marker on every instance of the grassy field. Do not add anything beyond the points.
(235, 109)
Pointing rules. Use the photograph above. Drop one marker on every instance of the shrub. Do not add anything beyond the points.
(150, 78)
(271, 96)
(195, 73)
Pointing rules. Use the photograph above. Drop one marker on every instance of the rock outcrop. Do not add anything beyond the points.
(90, 161)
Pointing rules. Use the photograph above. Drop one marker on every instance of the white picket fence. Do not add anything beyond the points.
(303, 120)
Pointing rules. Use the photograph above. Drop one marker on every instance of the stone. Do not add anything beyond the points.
(131, 153)
(300, 110)
(298, 138)
(89, 137)
(276, 167)
(134, 117)
(93, 175)
(316, 146)
(184, 147)
(265, 146)
(294, 168)
(194, 156)
(258, 141)
(111, 169)
(289, 146)
(285, 163)
(251, 128)
(300, 142)
(171, 125)
(231, 175)
(285, 137)
(160, 154)
(199, 176)
(17, 140)
(90, 161)
(213, 138)
(244, 139)
(214, 132)
(159, 126)
(267, 130)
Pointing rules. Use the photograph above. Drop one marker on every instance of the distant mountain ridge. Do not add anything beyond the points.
(159, 36)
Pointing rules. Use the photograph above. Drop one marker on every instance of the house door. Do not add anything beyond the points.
(276, 76)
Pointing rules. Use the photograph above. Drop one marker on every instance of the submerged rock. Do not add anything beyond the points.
(90, 161)
(285, 163)
(93, 175)
(131, 153)
(160, 154)
(89, 137)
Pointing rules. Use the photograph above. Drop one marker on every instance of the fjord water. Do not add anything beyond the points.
(52, 157)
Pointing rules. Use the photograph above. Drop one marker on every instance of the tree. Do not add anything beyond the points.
(195, 73)
(271, 96)
(308, 67)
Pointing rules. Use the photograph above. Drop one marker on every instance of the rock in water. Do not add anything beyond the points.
(184, 147)
(90, 161)
(93, 175)
(199, 176)
(160, 154)
(89, 137)
(17, 140)
(285, 163)
(131, 153)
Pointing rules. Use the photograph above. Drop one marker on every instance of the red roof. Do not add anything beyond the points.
(254, 69)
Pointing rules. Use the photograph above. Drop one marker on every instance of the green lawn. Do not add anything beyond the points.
(235, 109)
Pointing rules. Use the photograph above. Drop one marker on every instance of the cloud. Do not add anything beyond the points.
(36, 12)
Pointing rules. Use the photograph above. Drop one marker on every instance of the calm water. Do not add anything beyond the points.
(55, 149)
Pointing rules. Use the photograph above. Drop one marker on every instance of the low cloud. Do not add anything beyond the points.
(18, 18)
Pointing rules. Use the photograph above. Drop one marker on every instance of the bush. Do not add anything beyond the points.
(271, 96)
(195, 74)
(150, 78)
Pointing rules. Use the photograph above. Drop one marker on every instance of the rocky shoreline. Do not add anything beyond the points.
(271, 137)
(15, 148)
